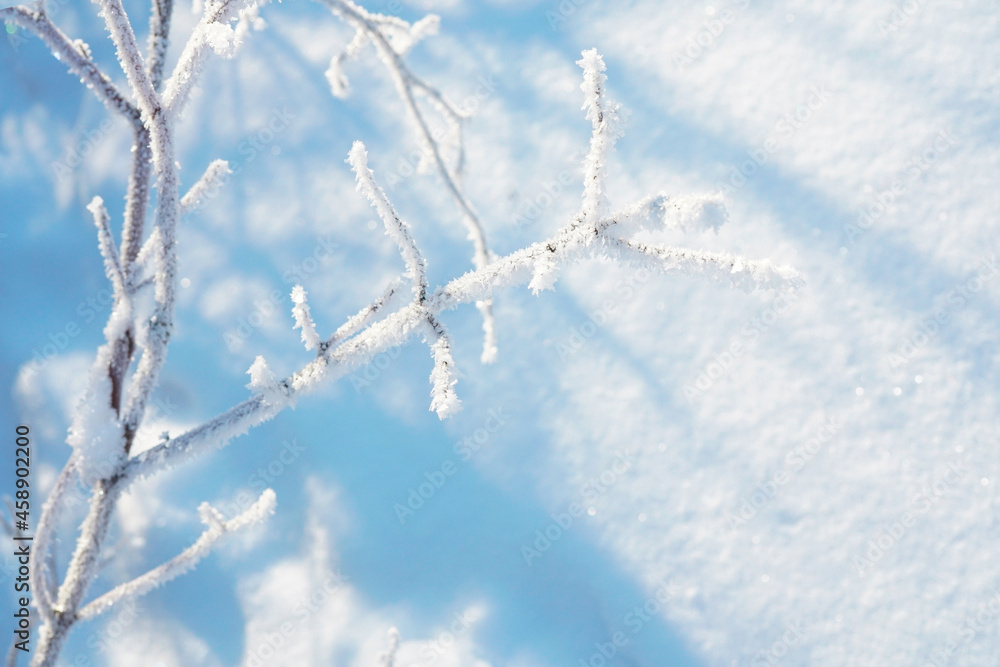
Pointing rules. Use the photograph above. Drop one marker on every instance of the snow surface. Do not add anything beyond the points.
(860, 432)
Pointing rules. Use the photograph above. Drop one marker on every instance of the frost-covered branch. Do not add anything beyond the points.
(303, 318)
(388, 659)
(82, 568)
(571, 243)
(75, 54)
(130, 57)
(216, 527)
(213, 32)
(41, 573)
(740, 272)
(335, 72)
(398, 327)
(262, 378)
(95, 433)
(101, 438)
(444, 400)
(147, 253)
(213, 178)
(391, 53)
(106, 243)
(395, 228)
(167, 211)
(159, 39)
(603, 115)
(106, 421)
(364, 316)
(136, 198)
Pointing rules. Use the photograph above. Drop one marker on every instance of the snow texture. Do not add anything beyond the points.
(444, 377)
(96, 434)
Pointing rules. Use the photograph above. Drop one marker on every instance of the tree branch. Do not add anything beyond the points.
(363, 317)
(109, 251)
(212, 32)
(45, 596)
(303, 318)
(159, 40)
(76, 57)
(212, 179)
(603, 114)
(81, 570)
(104, 428)
(444, 400)
(395, 228)
(405, 82)
(399, 326)
(183, 562)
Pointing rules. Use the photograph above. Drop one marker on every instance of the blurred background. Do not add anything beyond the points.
(806, 481)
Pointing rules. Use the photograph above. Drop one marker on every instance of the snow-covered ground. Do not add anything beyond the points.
(804, 481)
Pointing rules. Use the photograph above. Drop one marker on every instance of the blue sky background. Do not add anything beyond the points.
(892, 83)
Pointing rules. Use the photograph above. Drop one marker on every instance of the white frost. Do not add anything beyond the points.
(96, 434)
(303, 318)
(603, 114)
(546, 272)
(444, 400)
(262, 378)
(221, 37)
(216, 527)
(695, 212)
